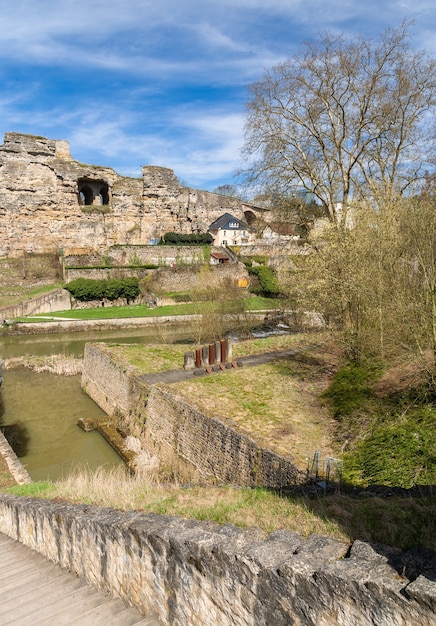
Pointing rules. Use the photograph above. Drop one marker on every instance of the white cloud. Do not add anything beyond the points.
(130, 82)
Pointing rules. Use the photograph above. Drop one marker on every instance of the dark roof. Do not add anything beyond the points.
(219, 255)
(224, 220)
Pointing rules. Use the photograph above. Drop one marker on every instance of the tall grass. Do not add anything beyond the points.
(402, 522)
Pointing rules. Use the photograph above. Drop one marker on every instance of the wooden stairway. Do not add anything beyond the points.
(36, 592)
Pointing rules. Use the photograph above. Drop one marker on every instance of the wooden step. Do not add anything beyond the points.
(36, 592)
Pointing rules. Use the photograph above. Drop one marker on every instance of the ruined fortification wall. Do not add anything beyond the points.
(113, 386)
(50, 202)
(203, 574)
(58, 300)
(187, 278)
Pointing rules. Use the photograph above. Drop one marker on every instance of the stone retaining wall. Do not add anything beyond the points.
(203, 574)
(158, 414)
(58, 300)
(113, 386)
(18, 472)
(216, 449)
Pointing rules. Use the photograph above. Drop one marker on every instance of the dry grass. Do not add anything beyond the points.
(150, 358)
(242, 507)
(281, 342)
(277, 404)
(401, 522)
(60, 364)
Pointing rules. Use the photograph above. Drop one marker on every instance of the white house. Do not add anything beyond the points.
(228, 230)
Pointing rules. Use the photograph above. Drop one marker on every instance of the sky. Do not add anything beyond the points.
(164, 82)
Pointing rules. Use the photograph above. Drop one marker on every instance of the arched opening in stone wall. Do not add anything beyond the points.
(93, 192)
(86, 196)
(250, 217)
(104, 195)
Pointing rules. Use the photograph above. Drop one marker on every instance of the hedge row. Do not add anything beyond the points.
(85, 289)
(171, 239)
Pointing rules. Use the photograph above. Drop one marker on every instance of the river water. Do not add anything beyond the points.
(40, 411)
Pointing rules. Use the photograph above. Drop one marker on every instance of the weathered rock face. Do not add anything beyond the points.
(50, 202)
(183, 571)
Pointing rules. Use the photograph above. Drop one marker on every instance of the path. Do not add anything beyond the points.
(176, 376)
(36, 592)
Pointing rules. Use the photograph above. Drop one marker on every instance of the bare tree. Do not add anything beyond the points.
(344, 119)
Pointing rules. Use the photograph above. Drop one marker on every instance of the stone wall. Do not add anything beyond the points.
(156, 413)
(203, 574)
(43, 207)
(104, 273)
(58, 300)
(18, 472)
(187, 278)
(139, 255)
(115, 387)
(215, 448)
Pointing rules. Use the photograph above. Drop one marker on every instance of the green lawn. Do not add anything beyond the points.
(118, 312)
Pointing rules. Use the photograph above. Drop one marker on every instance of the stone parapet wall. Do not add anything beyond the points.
(203, 574)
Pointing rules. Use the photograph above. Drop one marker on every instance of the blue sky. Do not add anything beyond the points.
(163, 82)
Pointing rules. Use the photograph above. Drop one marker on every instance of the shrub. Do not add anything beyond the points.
(86, 289)
(268, 282)
(182, 239)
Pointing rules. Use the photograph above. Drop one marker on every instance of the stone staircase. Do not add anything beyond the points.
(36, 592)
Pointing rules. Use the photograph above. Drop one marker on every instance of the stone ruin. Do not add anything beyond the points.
(49, 202)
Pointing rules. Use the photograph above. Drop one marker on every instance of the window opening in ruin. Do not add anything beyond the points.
(93, 192)
(250, 217)
(85, 195)
(104, 195)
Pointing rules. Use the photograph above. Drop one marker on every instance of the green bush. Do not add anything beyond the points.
(268, 282)
(86, 289)
(181, 239)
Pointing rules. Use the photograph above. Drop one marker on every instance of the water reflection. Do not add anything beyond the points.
(18, 437)
(40, 413)
(74, 343)
(16, 434)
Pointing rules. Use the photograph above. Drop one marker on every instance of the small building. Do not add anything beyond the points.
(218, 258)
(228, 230)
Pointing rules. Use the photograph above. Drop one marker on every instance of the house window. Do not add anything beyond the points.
(225, 233)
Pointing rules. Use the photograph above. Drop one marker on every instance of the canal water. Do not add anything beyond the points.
(39, 412)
